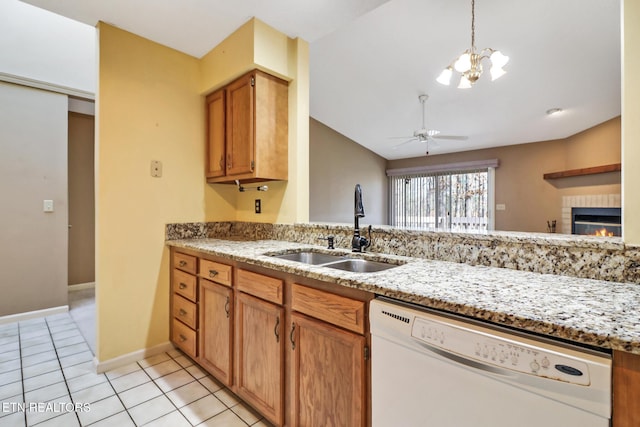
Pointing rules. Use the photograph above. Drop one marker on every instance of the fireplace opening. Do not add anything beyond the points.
(596, 221)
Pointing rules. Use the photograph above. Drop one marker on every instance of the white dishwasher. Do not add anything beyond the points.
(435, 370)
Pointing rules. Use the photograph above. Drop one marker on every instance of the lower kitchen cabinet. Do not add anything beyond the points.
(216, 330)
(294, 352)
(328, 375)
(260, 355)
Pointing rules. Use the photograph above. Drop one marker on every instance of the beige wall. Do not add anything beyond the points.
(337, 165)
(81, 199)
(33, 167)
(531, 200)
(150, 106)
(630, 121)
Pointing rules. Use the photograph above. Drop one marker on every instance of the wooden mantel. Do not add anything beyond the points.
(615, 167)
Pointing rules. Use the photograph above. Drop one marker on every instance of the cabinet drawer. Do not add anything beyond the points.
(185, 311)
(184, 284)
(184, 337)
(216, 272)
(184, 262)
(265, 287)
(338, 310)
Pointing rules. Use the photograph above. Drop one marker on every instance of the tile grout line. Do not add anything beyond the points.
(24, 396)
(64, 377)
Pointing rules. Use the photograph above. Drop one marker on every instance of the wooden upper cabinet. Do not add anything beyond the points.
(216, 134)
(248, 130)
(240, 121)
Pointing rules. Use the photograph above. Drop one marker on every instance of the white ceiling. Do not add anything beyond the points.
(370, 59)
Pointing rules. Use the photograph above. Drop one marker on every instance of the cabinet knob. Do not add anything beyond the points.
(213, 273)
(182, 263)
(182, 312)
(182, 286)
(182, 338)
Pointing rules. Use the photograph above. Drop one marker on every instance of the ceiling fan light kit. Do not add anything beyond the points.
(469, 64)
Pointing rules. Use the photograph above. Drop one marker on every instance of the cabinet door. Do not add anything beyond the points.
(240, 126)
(216, 134)
(216, 320)
(328, 375)
(259, 352)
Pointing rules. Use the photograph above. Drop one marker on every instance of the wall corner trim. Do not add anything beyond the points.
(134, 356)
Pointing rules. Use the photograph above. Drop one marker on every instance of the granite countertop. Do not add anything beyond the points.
(598, 313)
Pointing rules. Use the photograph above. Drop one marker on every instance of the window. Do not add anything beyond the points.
(456, 200)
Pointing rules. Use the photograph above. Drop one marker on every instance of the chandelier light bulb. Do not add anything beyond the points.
(464, 83)
(496, 73)
(445, 77)
(498, 59)
(463, 63)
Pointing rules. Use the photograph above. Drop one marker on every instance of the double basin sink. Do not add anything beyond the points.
(339, 262)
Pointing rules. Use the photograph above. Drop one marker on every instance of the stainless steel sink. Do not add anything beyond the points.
(314, 258)
(360, 265)
(339, 262)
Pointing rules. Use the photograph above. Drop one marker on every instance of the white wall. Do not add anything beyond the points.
(33, 167)
(39, 45)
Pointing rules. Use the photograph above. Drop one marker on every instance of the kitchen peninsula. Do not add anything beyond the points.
(564, 305)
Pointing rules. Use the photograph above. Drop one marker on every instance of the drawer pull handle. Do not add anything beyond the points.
(182, 338)
(226, 307)
(222, 162)
(276, 329)
(213, 273)
(182, 285)
(182, 312)
(182, 263)
(293, 330)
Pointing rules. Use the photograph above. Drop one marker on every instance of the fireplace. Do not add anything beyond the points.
(596, 221)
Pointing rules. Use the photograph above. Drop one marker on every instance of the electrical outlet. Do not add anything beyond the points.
(156, 168)
(501, 207)
(258, 206)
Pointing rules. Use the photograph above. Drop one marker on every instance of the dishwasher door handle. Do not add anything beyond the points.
(468, 362)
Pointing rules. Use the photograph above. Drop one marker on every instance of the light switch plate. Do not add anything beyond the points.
(47, 206)
(156, 168)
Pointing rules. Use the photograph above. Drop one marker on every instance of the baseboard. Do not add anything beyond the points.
(132, 357)
(81, 286)
(18, 317)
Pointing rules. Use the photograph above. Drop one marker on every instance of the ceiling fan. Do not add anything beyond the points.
(425, 135)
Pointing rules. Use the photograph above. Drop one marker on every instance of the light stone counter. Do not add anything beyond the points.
(599, 313)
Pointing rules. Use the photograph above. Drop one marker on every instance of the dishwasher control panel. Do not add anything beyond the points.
(493, 349)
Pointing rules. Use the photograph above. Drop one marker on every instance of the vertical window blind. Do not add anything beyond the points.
(456, 200)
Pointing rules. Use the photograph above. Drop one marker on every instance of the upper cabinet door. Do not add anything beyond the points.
(240, 126)
(216, 134)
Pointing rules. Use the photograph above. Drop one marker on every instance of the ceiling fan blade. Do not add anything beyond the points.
(401, 137)
(404, 143)
(451, 137)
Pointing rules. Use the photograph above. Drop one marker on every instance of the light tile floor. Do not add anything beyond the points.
(47, 363)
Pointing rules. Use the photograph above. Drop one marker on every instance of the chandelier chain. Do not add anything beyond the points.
(473, 25)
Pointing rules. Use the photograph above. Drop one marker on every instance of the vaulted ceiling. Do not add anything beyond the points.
(370, 59)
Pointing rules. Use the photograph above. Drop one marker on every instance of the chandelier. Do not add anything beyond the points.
(469, 64)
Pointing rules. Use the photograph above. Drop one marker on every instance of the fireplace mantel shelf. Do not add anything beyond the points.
(615, 167)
